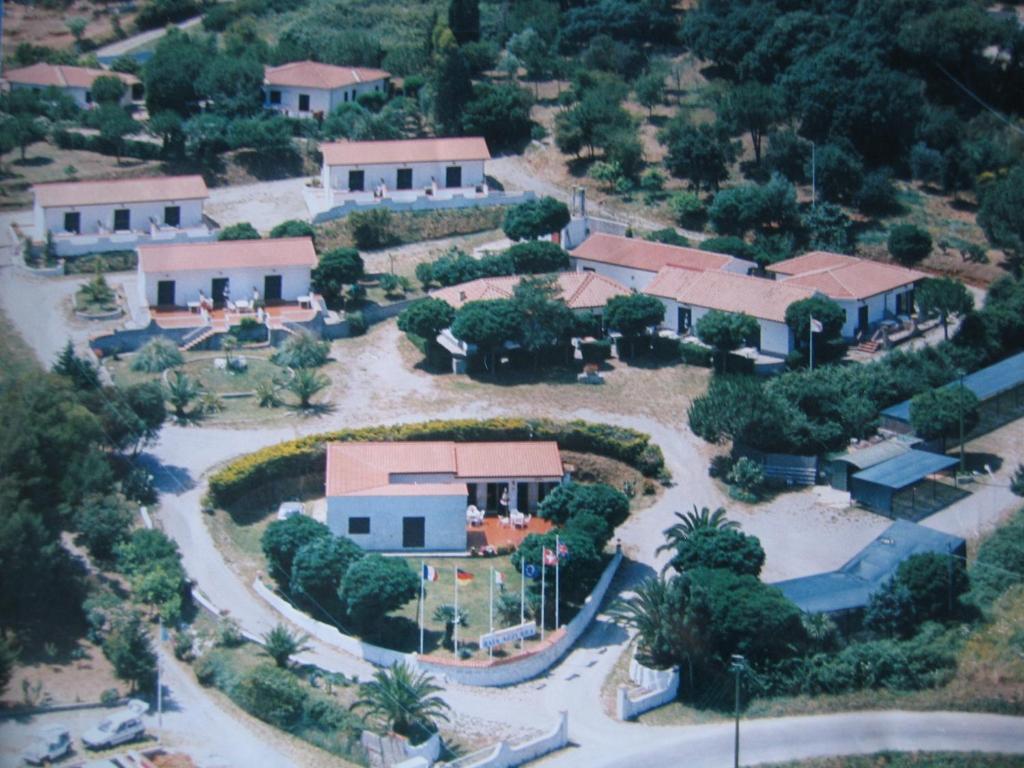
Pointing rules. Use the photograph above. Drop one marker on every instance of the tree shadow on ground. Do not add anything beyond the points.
(313, 410)
(494, 184)
(579, 167)
(166, 478)
(977, 461)
(33, 162)
(270, 166)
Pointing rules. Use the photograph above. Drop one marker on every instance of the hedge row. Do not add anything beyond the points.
(143, 150)
(307, 455)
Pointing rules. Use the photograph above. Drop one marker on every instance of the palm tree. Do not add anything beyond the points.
(305, 384)
(280, 644)
(645, 612)
(449, 614)
(507, 609)
(690, 523)
(405, 701)
(181, 391)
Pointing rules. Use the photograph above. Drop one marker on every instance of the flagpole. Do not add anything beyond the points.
(543, 569)
(810, 340)
(455, 616)
(522, 600)
(558, 563)
(491, 608)
(422, 574)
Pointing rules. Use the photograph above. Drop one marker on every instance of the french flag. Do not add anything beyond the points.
(429, 573)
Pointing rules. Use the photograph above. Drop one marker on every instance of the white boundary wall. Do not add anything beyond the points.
(497, 672)
(660, 686)
(504, 755)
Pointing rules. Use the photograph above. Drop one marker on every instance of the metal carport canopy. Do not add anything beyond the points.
(905, 470)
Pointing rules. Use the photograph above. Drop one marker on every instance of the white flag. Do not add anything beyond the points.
(816, 326)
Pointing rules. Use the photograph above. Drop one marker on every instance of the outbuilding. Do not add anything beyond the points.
(414, 496)
(404, 170)
(119, 214)
(276, 270)
(900, 486)
(848, 589)
(842, 466)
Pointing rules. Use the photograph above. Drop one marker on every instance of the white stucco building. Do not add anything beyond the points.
(404, 170)
(92, 216)
(308, 88)
(582, 292)
(634, 262)
(413, 496)
(76, 82)
(868, 291)
(173, 275)
(688, 295)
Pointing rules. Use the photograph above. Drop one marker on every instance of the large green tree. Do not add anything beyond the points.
(172, 75)
(232, 85)
(336, 269)
(282, 540)
(943, 296)
(536, 218)
(701, 153)
(464, 20)
(937, 412)
(726, 331)
(633, 315)
(719, 547)
(1002, 214)
(752, 108)
(828, 343)
(319, 566)
(487, 324)
(374, 586)
(427, 318)
(453, 90)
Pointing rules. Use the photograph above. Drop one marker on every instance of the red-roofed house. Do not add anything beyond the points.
(306, 88)
(397, 496)
(174, 275)
(118, 214)
(404, 170)
(581, 291)
(634, 262)
(868, 291)
(76, 82)
(689, 295)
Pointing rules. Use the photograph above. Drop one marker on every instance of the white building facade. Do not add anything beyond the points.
(404, 170)
(308, 88)
(271, 270)
(76, 82)
(94, 216)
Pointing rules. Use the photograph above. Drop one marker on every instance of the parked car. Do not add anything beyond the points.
(116, 729)
(290, 509)
(50, 743)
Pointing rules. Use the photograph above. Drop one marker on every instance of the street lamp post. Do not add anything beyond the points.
(738, 666)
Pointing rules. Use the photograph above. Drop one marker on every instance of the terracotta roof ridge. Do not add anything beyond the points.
(581, 285)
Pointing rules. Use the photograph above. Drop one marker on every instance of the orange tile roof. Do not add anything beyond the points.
(844, 277)
(405, 151)
(728, 292)
(313, 74)
(646, 255)
(62, 76)
(120, 191)
(413, 489)
(367, 468)
(811, 262)
(228, 254)
(579, 290)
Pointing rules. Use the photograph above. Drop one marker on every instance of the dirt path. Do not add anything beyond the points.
(129, 44)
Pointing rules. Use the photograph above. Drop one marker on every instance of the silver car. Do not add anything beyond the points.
(115, 729)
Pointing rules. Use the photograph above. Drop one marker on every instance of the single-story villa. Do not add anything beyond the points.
(688, 295)
(411, 495)
(634, 262)
(868, 291)
(307, 88)
(119, 214)
(76, 82)
(849, 589)
(404, 170)
(581, 291)
(236, 270)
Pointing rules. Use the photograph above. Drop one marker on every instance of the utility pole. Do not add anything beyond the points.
(739, 664)
(962, 466)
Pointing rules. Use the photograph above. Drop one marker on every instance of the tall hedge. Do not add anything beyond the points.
(307, 455)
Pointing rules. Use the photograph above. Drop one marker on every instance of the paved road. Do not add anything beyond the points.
(129, 44)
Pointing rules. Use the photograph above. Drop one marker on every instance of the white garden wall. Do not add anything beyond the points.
(504, 755)
(657, 687)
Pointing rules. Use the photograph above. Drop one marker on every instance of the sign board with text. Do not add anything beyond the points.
(508, 635)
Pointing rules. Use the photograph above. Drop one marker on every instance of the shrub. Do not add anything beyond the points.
(909, 244)
(687, 208)
(307, 455)
(157, 355)
(601, 500)
(241, 231)
(668, 235)
(721, 466)
(695, 354)
(303, 350)
(372, 229)
(356, 323)
(293, 228)
(271, 694)
(110, 697)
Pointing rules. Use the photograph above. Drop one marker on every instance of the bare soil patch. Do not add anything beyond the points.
(43, 24)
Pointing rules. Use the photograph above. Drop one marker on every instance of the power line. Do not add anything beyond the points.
(981, 101)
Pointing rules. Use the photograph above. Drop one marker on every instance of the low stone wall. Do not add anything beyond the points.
(424, 203)
(124, 341)
(659, 686)
(382, 657)
(485, 672)
(504, 755)
(393, 751)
